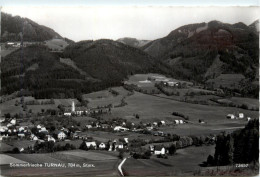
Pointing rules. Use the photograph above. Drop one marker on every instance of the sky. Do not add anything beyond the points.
(113, 21)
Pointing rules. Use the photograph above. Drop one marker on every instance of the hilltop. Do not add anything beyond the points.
(12, 27)
(133, 42)
(204, 51)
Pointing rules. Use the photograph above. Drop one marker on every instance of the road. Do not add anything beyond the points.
(120, 166)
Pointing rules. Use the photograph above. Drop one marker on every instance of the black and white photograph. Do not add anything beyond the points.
(129, 90)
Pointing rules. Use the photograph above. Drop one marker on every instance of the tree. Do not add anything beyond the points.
(210, 160)
(7, 115)
(83, 146)
(172, 149)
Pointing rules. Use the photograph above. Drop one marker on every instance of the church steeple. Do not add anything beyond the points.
(73, 107)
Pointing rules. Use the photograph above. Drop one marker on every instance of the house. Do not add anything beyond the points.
(60, 135)
(9, 125)
(176, 122)
(149, 128)
(21, 134)
(119, 145)
(43, 130)
(172, 83)
(102, 146)
(181, 121)
(88, 126)
(159, 150)
(155, 123)
(105, 126)
(81, 110)
(126, 140)
(248, 118)
(33, 137)
(91, 143)
(241, 115)
(120, 128)
(163, 122)
(50, 138)
(21, 129)
(13, 121)
(67, 114)
(39, 127)
(230, 116)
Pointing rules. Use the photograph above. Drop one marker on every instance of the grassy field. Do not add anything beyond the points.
(152, 108)
(105, 97)
(185, 161)
(6, 159)
(104, 164)
(250, 102)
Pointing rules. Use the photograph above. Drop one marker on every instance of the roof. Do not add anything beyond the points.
(158, 148)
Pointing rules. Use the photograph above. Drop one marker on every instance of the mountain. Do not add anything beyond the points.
(12, 27)
(108, 60)
(133, 42)
(82, 67)
(204, 51)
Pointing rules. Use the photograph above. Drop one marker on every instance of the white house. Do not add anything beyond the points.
(43, 129)
(248, 118)
(20, 129)
(91, 143)
(13, 121)
(176, 122)
(33, 137)
(9, 125)
(21, 134)
(163, 122)
(181, 122)
(241, 115)
(126, 140)
(61, 135)
(102, 146)
(67, 113)
(50, 138)
(119, 145)
(39, 127)
(159, 150)
(149, 128)
(230, 116)
(88, 126)
(155, 123)
(120, 128)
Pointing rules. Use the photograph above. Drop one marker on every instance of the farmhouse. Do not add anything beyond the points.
(120, 128)
(50, 138)
(21, 134)
(231, 116)
(60, 135)
(163, 122)
(13, 121)
(159, 150)
(119, 145)
(241, 115)
(91, 144)
(102, 146)
(88, 126)
(33, 137)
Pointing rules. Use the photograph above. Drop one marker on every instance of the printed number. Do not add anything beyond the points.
(241, 165)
